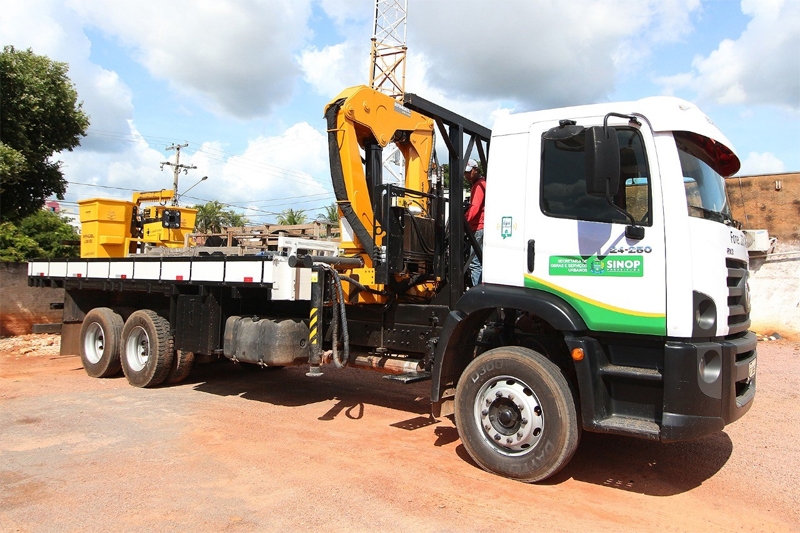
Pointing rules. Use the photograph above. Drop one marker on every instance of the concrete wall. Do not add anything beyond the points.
(775, 292)
(22, 306)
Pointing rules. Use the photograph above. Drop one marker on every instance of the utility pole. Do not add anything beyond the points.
(177, 167)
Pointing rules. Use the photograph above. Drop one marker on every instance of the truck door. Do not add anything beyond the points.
(577, 244)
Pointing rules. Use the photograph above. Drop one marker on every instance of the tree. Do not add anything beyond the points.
(40, 235)
(290, 217)
(15, 246)
(39, 115)
(212, 217)
(235, 220)
(330, 215)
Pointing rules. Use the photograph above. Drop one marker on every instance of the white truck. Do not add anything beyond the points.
(614, 295)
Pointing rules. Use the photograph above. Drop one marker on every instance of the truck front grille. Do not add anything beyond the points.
(738, 303)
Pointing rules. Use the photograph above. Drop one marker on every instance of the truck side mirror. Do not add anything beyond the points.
(602, 161)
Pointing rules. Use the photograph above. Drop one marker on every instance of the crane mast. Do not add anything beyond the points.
(388, 55)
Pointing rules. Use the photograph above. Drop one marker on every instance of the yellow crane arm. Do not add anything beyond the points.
(153, 196)
(358, 117)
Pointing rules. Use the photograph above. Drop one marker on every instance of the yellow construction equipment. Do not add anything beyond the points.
(117, 228)
(364, 120)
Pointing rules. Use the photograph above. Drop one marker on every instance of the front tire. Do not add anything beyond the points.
(516, 414)
(101, 332)
(147, 351)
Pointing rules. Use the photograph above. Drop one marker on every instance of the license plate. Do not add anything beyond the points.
(751, 370)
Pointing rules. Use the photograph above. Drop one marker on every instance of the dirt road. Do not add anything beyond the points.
(231, 450)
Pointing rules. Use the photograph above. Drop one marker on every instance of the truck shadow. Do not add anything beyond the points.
(621, 463)
(638, 466)
(646, 467)
(290, 387)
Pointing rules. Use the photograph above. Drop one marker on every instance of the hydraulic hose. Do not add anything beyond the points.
(339, 316)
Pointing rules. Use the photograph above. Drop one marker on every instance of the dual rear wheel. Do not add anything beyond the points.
(101, 333)
(141, 346)
(147, 350)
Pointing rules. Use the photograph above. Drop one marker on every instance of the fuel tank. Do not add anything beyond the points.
(266, 341)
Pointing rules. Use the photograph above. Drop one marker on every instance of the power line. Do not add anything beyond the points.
(216, 154)
(233, 204)
(101, 186)
(289, 198)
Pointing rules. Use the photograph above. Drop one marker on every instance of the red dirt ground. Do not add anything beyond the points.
(230, 450)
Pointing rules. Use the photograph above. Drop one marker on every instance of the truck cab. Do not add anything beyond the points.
(637, 295)
(671, 160)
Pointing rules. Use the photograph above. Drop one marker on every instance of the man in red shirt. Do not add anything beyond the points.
(475, 215)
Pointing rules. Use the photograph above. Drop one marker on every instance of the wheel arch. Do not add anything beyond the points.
(456, 342)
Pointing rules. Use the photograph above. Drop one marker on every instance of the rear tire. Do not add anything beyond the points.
(147, 351)
(101, 332)
(516, 414)
(182, 365)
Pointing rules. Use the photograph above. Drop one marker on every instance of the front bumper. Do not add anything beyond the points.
(670, 391)
(707, 385)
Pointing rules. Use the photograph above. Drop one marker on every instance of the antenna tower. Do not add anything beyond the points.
(388, 55)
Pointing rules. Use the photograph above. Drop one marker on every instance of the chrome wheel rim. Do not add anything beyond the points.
(94, 343)
(510, 415)
(137, 348)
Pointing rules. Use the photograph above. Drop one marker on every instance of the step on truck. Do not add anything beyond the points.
(614, 296)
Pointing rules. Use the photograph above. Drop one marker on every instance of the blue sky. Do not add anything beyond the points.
(245, 82)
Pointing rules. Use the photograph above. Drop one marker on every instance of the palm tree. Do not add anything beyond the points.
(290, 217)
(331, 214)
(212, 217)
(235, 220)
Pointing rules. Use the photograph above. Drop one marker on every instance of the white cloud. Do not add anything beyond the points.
(540, 54)
(758, 164)
(523, 54)
(235, 57)
(49, 29)
(134, 167)
(762, 66)
(344, 12)
(256, 182)
(270, 170)
(335, 67)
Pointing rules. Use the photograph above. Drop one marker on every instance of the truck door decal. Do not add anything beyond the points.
(600, 316)
(631, 266)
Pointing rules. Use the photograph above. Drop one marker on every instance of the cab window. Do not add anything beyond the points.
(563, 187)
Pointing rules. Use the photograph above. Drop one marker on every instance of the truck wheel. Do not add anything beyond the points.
(100, 342)
(182, 364)
(147, 351)
(516, 415)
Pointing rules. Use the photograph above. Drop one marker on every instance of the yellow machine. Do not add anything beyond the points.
(116, 228)
(106, 226)
(390, 227)
(160, 224)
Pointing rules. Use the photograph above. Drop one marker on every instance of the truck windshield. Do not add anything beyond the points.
(704, 186)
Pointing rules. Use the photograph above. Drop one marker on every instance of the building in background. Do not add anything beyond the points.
(770, 202)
